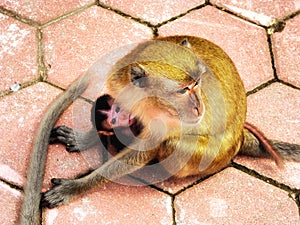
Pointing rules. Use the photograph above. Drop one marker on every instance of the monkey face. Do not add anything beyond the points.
(169, 99)
(107, 115)
(189, 97)
(116, 117)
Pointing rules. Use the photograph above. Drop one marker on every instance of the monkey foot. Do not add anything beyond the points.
(66, 136)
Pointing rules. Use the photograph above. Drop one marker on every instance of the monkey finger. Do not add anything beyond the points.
(56, 181)
(72, 148)
(62, 130)
(60, 193)
(66, 136)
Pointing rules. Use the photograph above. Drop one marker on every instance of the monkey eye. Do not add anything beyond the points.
(117, 109)
(183, 90)
(113, 121)
(197, 82)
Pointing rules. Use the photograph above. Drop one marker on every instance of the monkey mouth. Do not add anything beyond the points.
(131, 119)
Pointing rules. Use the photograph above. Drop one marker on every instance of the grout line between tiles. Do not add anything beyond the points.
(22, 86)
(288, 84)
(180, 15)
(223, 9)
(291, 16)
(62, 17)
(266, 179)
(293, 193)
(272, 56)
(260, 87)
(173, 210)
(126, 15)
(18, 17)
(42, 70)
(12, 185)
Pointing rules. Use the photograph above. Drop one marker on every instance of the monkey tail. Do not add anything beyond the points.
(257, 145)
(30, 214)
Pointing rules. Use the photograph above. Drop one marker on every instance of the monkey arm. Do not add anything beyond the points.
(123, 163)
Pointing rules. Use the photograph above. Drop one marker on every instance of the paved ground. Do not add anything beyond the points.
(45, 45)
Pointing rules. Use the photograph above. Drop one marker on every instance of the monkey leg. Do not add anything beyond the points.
(74, 141)
(122, 164)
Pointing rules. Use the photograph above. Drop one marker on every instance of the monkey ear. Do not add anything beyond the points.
(186, 43)
(138, 76)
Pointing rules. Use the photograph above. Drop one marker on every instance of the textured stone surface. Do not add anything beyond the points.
(245, 43)
(154, 11)
(42, 10)
(287, 53)
(228, 198)
(71, 44)
(19, 117)
(74, 44)
(275, 111)
(115, 204)
(17, 52)
(9, 204)
(262, 11)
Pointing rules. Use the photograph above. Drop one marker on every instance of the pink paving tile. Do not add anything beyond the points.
(42, 11)
(174, 185)
(245, 43)
(74, 44)
(155, 11)
(289, 175)
(275, 110)
(232, 197)
(20, 115)
(115, 204)
(63, 164)
(9, 204)
(262, 11)
(17, 52)
(286, 48)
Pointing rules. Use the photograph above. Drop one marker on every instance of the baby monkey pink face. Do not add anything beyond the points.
(116, 117)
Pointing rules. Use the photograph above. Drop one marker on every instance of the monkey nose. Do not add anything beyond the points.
(196, 111)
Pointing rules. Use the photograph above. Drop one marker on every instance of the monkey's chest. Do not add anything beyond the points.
(190, 159)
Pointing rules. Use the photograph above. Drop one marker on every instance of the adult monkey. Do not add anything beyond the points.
(188, 72)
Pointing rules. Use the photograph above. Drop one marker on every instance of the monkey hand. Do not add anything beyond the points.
(61, 192)
(65, 136)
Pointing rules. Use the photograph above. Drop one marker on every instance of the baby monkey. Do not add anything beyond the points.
(115, 128)
(177, 100)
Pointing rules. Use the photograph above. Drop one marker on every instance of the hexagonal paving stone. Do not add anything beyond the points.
(262, 11)
(245, 43)
(74, 44)
(287, 52)
(17, 52)
(275, 110)
(232, 197)
(9, 204)
(42, 10)
(25, 109)
(154, 11)
(115, 204)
